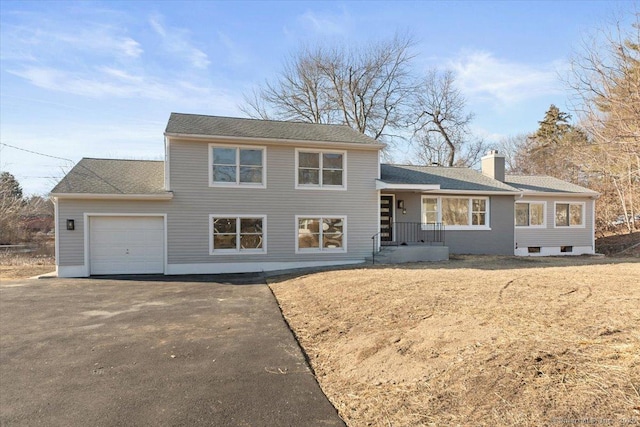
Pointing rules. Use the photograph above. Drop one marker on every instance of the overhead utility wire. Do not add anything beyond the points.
(35, 152)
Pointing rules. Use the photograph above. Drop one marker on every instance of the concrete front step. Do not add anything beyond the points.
(414, 253)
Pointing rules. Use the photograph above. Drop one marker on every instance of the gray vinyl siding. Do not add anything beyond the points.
(551, 236)
(71, 243)
(188, 212)
(497, 241)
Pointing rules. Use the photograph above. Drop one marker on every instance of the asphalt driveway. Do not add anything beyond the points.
(170, 351)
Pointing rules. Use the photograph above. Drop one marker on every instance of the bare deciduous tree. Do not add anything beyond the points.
(605, 81)
(441, 128)
(513, 147)
(367, 89)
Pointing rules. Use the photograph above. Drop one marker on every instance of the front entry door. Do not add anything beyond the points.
(386, 218)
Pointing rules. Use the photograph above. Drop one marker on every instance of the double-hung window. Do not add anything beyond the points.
(237, 234)
(321, 234)
(236, 166)
(530, 214)
(321, 169)
(456, 212)
(569, 214)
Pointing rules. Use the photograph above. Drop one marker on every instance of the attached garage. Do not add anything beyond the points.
(126, 244)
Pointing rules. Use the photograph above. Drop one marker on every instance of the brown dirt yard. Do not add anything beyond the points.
(490, 341)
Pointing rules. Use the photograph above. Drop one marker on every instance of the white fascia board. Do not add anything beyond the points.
(93, 196)
(438, 191)
(381, 185)
(560, 194)
(273, 141)
(479, 192)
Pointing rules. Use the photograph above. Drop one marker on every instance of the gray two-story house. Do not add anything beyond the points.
(241, 195)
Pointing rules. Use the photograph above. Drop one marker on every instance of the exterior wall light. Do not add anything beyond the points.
(71, 224)
(401, 206)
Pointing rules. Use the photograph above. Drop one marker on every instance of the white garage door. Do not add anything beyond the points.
(126, 245)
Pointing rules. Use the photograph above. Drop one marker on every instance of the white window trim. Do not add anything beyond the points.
(470, 227)
(238, 251)
(320, 249)
(544, 210)
(584, 219)
(320, 186)
(238, 184)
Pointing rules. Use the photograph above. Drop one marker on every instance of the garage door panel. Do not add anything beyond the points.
(126, 245)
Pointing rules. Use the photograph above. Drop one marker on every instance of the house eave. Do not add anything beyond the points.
(480, 192)
(559, 194)
(96, 196)
(381, 185)
(275, 141)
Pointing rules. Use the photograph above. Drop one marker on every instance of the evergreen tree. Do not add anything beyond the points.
(552, 149)
(10, 187)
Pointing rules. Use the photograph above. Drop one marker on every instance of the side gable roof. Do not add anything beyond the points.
(110, 176)
(195, 124)
(545, 184)
(448, 178)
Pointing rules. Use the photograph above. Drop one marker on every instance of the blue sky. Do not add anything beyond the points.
(99, 79)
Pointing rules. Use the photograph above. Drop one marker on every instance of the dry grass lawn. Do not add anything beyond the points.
(18, 266)
(474, 341)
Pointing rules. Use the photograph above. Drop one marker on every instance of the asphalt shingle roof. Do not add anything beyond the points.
(449, 178)
(546, 184)
(194, 124)
(110, 176)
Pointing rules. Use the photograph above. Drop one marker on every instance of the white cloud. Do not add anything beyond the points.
(40, 39)
(236, 55)
(328, 24)
(176, 41)
(482, 76)
(102, 82)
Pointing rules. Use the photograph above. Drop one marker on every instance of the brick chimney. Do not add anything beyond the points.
(493, 165)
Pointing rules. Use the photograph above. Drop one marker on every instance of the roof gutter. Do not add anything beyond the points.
(275, 141)
(95, 196)
(590, 195)
(381, 185)
(480, 192)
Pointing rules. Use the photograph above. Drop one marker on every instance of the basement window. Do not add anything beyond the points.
(566, 249)
(533, 249)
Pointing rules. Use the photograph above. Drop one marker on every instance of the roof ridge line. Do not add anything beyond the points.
(266, 120)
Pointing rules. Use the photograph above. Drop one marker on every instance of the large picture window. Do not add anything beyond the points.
(320, 169)
(321, 233)
(236, 166)
(456, 212)
(569, 214)
(530, 214)
(237, 234)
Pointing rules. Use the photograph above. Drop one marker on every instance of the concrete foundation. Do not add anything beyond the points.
(413, 253)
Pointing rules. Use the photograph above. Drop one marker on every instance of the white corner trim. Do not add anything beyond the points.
(56, 230)
(167, 164)
(72, 271)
